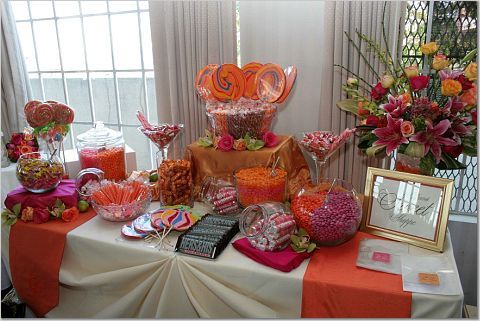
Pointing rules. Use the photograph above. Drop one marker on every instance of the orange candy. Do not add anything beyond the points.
(227, 82)
(250, 70)
(270, 82)
(202, 82)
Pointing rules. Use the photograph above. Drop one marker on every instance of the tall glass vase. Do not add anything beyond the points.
(54, 147)
(410, 164)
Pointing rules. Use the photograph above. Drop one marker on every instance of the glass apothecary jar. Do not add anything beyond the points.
(220, 194)
(330, 211)
(268, 226)
(39, 172)
(87, 182)
(103, 148)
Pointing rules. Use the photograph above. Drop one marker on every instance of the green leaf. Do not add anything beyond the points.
(295, 239)
(372, 151)
(348, 105)
(302, 232)
(247, 139)
(469, 150)
(58, 203)
(449, 163)
(311, 247)
(469, 57)
(11, 221)
(205, 142)
(427, 164)
(16, 208)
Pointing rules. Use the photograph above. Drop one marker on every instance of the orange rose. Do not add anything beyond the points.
(362, 111)
(407, 129)
(407, 99)
(70, 214)
(239, 144)
(411, 71)
(440, 62)
(429, 48)
(451, 87)
(469, 97)
(471, 71)
(27, 214)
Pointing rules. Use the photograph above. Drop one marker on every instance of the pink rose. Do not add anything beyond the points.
(239, 144)
(270, 139)
(419, 82)
(407, 129)
(226, 143)
(40, 215)
(10, 146)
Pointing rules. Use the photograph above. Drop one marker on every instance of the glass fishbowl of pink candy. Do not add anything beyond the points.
(330, 211)
(39, 172)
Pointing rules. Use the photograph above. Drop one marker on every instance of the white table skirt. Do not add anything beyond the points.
(103, 275)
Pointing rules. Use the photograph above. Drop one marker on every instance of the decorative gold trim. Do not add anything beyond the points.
(445, 184)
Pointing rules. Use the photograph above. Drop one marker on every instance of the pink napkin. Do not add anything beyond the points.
(65, 191)
(284, 260)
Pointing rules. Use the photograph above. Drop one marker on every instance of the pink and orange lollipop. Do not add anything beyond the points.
(41, 115)
(270, 81)
(291, 75)
(202, 82)
(62, 113)
(250, 70)
(227, 82)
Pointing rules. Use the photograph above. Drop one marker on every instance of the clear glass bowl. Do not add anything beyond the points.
(39, 172)
(329, 211)
(120, 213)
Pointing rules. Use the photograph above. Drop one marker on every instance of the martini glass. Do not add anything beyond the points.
(162, 136)
(320, 146)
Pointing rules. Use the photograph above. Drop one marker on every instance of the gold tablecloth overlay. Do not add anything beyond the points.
(212, 162)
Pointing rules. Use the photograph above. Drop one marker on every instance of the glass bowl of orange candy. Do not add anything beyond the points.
(257, 184)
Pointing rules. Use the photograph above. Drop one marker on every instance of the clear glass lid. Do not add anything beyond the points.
(99, 136)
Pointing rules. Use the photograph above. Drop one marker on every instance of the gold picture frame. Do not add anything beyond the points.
(407, 207)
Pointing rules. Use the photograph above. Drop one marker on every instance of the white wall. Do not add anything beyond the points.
(287, 33)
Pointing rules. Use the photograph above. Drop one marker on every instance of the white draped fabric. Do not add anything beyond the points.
(16, 89)
(186, 36)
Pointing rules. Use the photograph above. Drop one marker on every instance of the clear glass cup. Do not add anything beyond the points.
(220, 194)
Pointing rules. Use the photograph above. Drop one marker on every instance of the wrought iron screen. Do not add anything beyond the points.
(454, 26)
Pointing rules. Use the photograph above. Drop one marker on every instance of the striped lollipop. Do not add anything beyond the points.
(227, 82)
(270, 81)
(291, 75)
(249, 70)
(202, 80)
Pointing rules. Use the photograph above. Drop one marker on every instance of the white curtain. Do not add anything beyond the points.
(16, 89)
(186, 36)
(366, 17)
(310, 35)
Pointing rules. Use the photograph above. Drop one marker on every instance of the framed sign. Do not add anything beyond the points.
(407, 207)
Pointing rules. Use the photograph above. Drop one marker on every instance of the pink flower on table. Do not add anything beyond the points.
(226, 143)
(391, 136)
(395, 107)
(270, 139)
(17, 138)
(419, 82)
(378, 91)
(432, 138)
(40, 215)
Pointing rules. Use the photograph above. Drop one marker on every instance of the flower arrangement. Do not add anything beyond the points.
(39, 215)
(19, 144)
(227, 142)
(430, 115)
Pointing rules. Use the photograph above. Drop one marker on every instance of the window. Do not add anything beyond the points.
(454, 25)
(96, 56)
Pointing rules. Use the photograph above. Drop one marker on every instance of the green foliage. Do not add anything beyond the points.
(10, 217)
(448, 162)
(427, 164)
(57, 209)
(348, 105)
(301, 242)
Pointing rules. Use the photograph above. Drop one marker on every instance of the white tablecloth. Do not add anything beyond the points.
(103, 275)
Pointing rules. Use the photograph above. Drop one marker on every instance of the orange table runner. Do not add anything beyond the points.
(334, 287)
(36, 252)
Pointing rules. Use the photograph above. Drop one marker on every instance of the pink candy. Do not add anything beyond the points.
(276, 235)
(324, 143)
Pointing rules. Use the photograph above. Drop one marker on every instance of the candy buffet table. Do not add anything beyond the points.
(103, 275)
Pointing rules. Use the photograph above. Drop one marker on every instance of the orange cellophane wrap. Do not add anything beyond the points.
(212, 162)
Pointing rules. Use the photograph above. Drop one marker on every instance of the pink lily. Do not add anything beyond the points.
(390, 136)
(432, 138)
(459, 128)
(453, 106)
(395, 107)
(449, 74)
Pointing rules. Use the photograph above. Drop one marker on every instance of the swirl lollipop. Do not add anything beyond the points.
(63, 114)
(227, 82)
(270, 81)
(249, 70)
(30, 106)
(291, 75)
(202, 82)
(41, 115)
